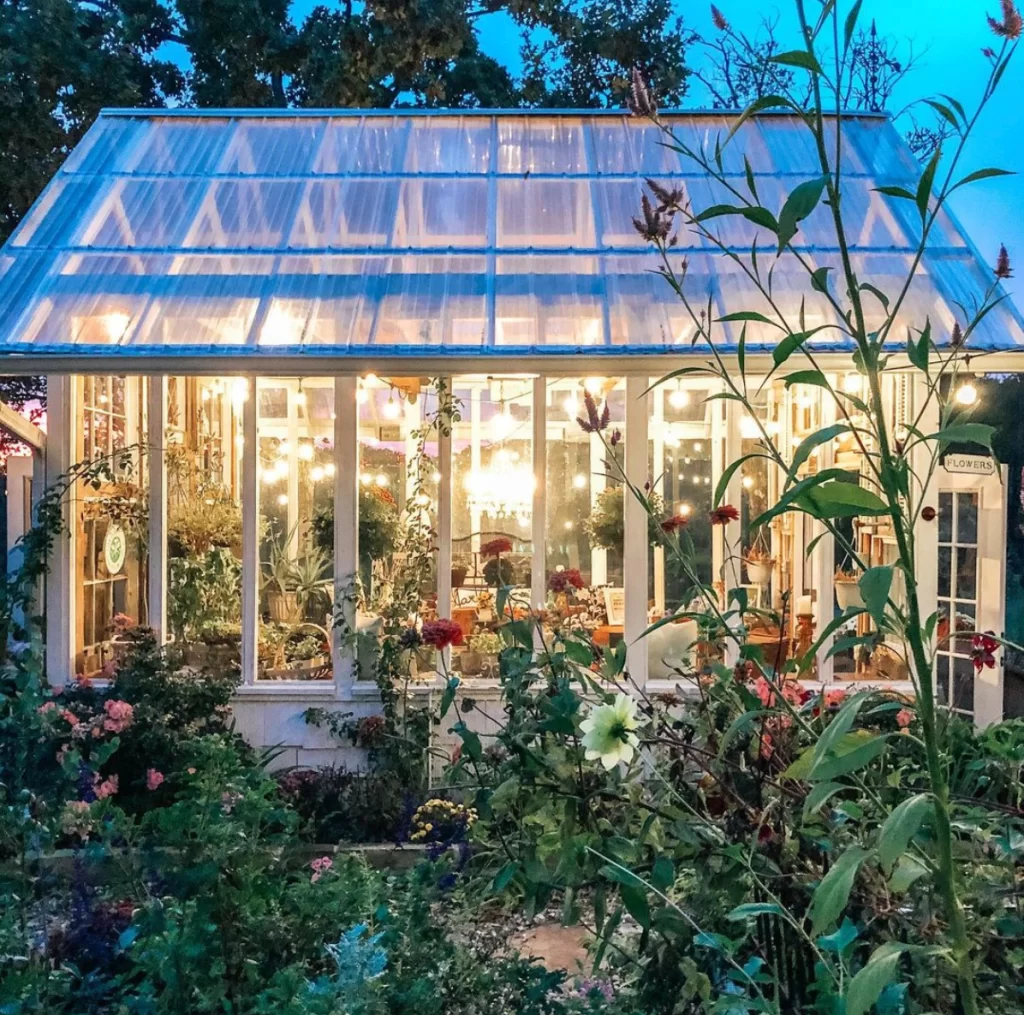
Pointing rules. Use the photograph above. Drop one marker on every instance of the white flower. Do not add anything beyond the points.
(608, 731)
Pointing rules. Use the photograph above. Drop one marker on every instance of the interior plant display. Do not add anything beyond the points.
(203, 521)
(606, 524)
(848, 593)
(204, 592)
(760, 563)
(497, 570)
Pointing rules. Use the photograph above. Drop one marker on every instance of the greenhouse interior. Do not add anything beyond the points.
(301, 335)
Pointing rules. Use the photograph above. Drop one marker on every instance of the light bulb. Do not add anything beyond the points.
(571, 406)
(579, 481)
(748, 483)
(329, 468)
(392, 410)
(366, 478)
(306, 452)
(502, 424)
(967, 393)
(362, 396)
(697, 445)
(568, 526)
(679, 399)
(283, 448)
(852, 384)
(239, 441)
(749, 430)
(239, 390)
(282, 499)
(381, 480)
(205, 394)
(594, 385)
(436, 476)
(684, 509)
(300, 397)
(316, 473)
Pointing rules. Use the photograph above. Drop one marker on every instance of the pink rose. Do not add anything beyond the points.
(119, 716)
(321, 865)
(904, 717)
(106, 788)
(154, 779)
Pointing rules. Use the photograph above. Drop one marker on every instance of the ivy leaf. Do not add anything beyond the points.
(800, 203)
(830, 897)
(899, 828)
(875, 585)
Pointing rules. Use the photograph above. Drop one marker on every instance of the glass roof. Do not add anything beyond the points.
(416, 234)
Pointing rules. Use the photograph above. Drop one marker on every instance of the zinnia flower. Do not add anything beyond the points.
(1012, 24)
(1003, 269)
(670, 525)
(608, 731)
(441, 633)
(106, 788)
(321, 865)
(154, 779)
(562, 581)
(119, 716)
(724, 514)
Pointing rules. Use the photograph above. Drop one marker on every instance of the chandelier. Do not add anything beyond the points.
(504, 489)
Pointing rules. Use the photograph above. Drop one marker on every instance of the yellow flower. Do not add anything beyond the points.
(608, 731)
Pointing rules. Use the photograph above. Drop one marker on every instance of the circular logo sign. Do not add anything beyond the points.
(115, 548)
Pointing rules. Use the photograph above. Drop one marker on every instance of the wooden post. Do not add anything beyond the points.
(636, 548)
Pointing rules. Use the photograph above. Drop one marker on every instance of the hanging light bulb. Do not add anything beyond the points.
(366, 478)
(282, 499)
(503, 423)
(595, 385)
(306, 452)
(300, 395)
(684, 509)
(852, 384)
(579, 481)
(966, 392)
(362, 396)
(316, 473)
(748, 482)
(381, 479)
(571, 406)
(283, 448)
(392, 410)
(749, 430)
(678, 399)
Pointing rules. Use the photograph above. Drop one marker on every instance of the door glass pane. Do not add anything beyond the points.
(967, 518)
(945, 517)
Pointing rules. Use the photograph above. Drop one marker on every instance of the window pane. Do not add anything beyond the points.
(204, 518)
(967, 518)
(966, 573)
(295, 447)
(945, 518)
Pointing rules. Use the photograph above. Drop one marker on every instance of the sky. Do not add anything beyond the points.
(947, 37)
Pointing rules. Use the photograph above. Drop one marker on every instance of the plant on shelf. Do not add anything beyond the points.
(200, 522)
(760, 562)
(203, 592)
(606, 525)
(280, 580)
(498, 570)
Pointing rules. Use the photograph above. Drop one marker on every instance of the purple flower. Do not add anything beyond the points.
(595, 421)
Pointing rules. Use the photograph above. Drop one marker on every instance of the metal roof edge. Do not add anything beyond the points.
(415, 111)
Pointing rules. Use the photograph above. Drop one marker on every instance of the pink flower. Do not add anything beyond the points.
(321, 865)
(63, 753)
(154, 779)
(983, 650)
(119, 716)
(47, 707)
(834, 698)
(904, 717)
(764, 691)
(106, 788)
(767, 750)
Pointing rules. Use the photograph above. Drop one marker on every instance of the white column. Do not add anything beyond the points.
(475, 439)
(635, 547)
(598, 482)
(658, 441)
(62, 407)
(346, 526)
(250, 535)
(538, 529)
(926, 534)
(991, 610)
(156, 415)
(444, 512)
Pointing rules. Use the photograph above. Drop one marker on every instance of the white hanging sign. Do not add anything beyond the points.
(115, 548)
(971, 465)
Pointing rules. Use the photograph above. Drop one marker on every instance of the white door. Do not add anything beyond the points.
(971, 590)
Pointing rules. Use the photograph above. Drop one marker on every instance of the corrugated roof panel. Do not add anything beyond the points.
(422, 232)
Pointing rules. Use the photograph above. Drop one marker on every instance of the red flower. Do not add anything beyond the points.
(441, 633)
(983, 649)
(724, 514)
(670, 525)
(562, 581)
(496, 547)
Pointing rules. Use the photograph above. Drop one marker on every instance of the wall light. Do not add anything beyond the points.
(966, 392)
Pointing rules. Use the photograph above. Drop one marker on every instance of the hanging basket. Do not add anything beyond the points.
(848, 595)
(760, 573)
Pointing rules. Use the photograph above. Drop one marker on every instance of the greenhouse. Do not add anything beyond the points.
(310, 331)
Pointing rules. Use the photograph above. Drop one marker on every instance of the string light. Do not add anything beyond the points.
(316, 473)
(306, 452)
(579, 481)
(684, 509)
(852, 384)
(967, 392)
(381, 480)
(595, 385)
(678, 399)
(748, 483)
(571, 406)
(282, 499)
(392, 410)
(749, 430)
(366, 478)
(330, 468)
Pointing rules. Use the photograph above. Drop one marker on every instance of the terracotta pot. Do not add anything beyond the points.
(459, 576)
(848, 594)
(283, 607)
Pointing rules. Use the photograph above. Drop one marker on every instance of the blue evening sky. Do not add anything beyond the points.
(947, 37)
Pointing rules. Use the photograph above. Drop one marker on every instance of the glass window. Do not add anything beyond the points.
(111, 522)
(295, 449)
(492, 508)
(204, 447)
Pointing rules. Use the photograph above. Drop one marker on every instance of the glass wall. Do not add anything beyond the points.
(295, 453)
(203, 449)
(492, 508)
(110, 521)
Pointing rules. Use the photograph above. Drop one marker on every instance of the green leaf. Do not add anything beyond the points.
(857, 750)
(721, 487)
(924, 186)
(800, 203)
(806, 447)
(964, 433)
(981, 174)
(798, 58)
(908, 870)
(876, 292)
(504, 877)
(759, 106)
(819, 279)
(879, 971)
(737, 726)
(819, 796)
(851, 24)
(750, 910)
(845, 500)
(470, 741)
(751, 186)
(748, 315)
(815, 377)
(840, 725)
(635, 901)
(918, 352)
(830, 897)
(900, 192)
(449, 695)
(946, 113)
(899, 828)
(792, 495)
(875, 585)
(789, 345)
(663, 873)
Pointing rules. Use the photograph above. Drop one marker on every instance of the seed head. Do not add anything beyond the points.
(1012, 24)
(641, 100)
(1003, 269)
(718, 19)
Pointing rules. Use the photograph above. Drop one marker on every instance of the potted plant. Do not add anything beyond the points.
(760, 563)
(281, 584)
(497, 571)
(848, 592)
(606, 525)
(486, 647)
